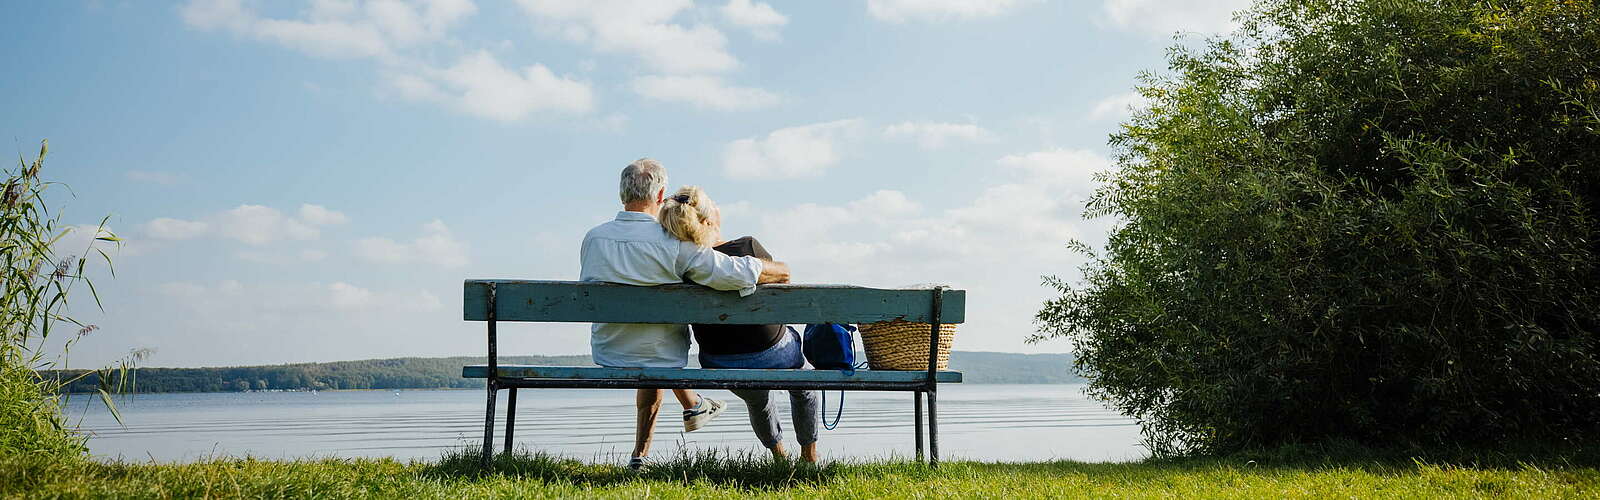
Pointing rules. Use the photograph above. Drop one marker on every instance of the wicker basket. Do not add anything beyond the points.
(903, 345)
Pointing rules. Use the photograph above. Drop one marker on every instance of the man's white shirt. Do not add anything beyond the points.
(634, 249)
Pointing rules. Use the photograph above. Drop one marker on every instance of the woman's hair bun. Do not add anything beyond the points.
(689, 215)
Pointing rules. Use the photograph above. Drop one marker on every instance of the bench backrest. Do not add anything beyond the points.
(586, 302)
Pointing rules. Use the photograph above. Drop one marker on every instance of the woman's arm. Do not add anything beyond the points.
(773, 272)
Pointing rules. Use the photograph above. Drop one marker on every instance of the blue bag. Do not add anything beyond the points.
(830, 346)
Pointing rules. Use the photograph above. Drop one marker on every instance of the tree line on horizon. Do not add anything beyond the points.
(445, 373)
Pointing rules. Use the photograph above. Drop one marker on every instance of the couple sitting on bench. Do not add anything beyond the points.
(659, 239)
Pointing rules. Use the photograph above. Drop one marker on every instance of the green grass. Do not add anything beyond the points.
(715, 474)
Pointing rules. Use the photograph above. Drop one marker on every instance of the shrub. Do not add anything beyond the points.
(1355, 220)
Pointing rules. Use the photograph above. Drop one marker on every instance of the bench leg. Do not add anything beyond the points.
(917, 397)
(511, 415)
(933, 429)
(488, 428)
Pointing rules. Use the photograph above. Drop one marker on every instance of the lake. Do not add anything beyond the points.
(979, 422)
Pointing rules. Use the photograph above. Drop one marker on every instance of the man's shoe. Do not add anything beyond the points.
(635, 463)
(703, 413)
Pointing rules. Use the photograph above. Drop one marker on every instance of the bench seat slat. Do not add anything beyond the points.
(585, 302)
(700, 374)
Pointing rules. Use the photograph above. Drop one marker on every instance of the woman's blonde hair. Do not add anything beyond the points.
(689, 215)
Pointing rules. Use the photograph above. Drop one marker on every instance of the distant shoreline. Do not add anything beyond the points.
(272, 391)
(978, 367)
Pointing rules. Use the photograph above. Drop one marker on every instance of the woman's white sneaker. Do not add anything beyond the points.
(703, 413)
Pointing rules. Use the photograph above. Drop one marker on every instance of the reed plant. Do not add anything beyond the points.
(39, 279)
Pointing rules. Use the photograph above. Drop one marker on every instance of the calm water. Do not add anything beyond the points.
(982, 422)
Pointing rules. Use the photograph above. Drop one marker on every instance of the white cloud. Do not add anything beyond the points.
(312, 255)
(217, 14)
(330, 40)
(320, 216)
(395, 34)
(759, 18)
(1028, 218)
(884, 203)
(162, 178)
(260, 257)
(174, 229)
(934, 135)
(682, 57)
(485, 88)
(899, 11)
(81, 240)
(215, 320)
(809, 222)
(995, 243)
(1165, 17)
(614, 122)
(704, 91)
(281, 258)
(329, 34)
(437, 246)
(417, 88)
(259, 225)
(346, 296)
(787, 153)
(251, 224)
(642, 28)
(397, 20)
(480, 85)
(383, 250)
(1066, 170)
(405, 24)
(181, 290)
(276, 302)
(1118, 106)
(336, 28)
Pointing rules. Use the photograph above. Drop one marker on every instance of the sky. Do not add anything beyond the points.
(313, 180)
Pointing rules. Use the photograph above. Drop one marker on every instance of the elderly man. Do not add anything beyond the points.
(634, 249)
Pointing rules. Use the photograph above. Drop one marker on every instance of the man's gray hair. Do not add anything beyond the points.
(642, 179)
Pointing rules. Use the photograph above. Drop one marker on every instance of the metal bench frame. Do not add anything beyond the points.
(927, 388)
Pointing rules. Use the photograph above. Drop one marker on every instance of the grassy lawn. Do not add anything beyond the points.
(717, 475)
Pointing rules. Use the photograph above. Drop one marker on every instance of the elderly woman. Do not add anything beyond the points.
(689, 215)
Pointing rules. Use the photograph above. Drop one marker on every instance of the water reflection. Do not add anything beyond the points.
(982, 422)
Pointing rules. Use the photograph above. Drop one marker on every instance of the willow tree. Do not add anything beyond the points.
(1355, 220)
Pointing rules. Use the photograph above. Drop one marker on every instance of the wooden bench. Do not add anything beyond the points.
(492, 301)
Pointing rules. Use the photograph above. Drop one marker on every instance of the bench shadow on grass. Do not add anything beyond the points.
(756, 471)
(738, 469)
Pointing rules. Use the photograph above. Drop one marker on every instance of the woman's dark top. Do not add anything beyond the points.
(738, 339)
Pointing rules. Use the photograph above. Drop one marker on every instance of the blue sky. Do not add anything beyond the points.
(311, 181)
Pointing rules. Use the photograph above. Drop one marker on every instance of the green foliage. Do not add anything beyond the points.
(1362, 220)
(37, 284)
(30, 420)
